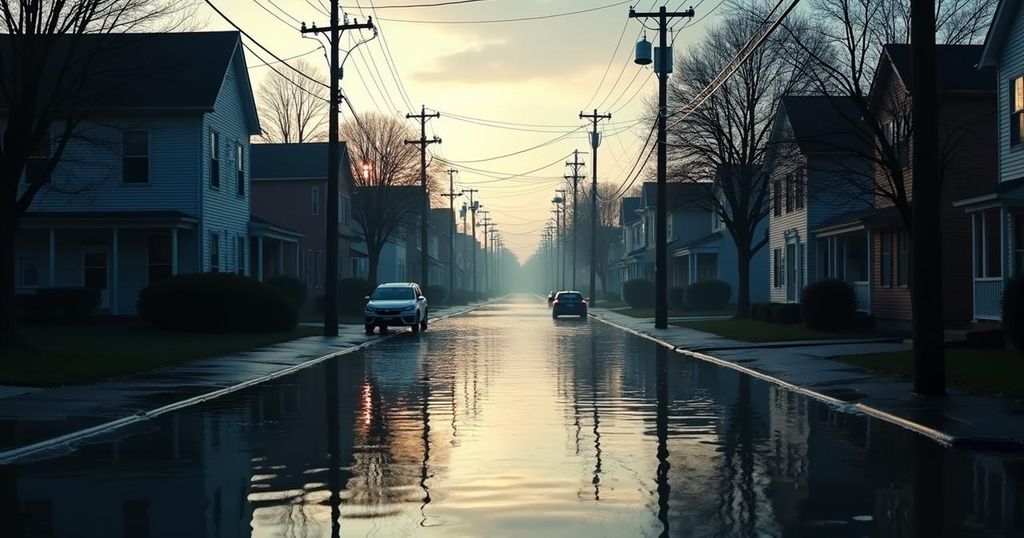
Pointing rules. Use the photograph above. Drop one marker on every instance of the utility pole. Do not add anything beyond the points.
(565, 218)
(575, 177)
(473, 206)
(595, 141)
(486, 224)
(451, 195)
(333, 160)
(559, 258)
(662, 66)
(423, 142)
(494, 256)
(553, 252)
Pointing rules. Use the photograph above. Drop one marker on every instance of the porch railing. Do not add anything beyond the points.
(988, 295)
(862, 290)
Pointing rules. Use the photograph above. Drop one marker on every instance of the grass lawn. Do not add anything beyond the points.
(748, 330)
(79, 354)
(672, 313)
(988, 371)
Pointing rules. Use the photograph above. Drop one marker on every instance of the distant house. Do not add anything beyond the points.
(391, 211)
(636, 262)
(820, 175)
(160, 173)
(290, 190)
(997, 214)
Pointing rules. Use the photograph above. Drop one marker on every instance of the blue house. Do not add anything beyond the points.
(156, 180)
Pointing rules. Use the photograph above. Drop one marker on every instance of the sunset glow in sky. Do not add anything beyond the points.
(501, 87)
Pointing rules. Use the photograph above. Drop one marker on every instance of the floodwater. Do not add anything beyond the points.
(504, 422)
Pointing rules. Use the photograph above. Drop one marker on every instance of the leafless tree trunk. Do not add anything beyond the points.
(44, 74)
(386, 171)
(293, 108)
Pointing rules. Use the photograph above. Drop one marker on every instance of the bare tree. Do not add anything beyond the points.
(50, 51)
(721, 145)
(293, 108)
(386, 172)
(607, 227)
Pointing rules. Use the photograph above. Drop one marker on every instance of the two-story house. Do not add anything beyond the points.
(820, 176)
(156, 181)
(997, 215)
(289, 183)
(636, 262)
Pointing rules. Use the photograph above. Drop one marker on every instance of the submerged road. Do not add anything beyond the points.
(504, 422)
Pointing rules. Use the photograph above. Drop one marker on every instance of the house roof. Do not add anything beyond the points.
(705, 241)
(1002, 22)
(679, 193)
(870, 217)
(957, 69)
(823, 123)
(142, 72)
(627, 211)
(306, 160)
(259, 226)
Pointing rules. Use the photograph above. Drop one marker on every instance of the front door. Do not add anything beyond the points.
(96, 271)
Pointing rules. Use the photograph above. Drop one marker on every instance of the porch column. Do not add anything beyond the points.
(115, 281)
(280, 256)
(298, 251)
(871, 270)
(1004, 269)
(692, 263)
(174, 251)
(53, 257)
(259, 258)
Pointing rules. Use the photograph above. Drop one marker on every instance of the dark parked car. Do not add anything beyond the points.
(569, 303)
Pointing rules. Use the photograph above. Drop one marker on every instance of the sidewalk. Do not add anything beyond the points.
(60, 415)
(959, 419)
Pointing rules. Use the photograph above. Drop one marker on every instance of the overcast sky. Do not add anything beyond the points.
(536, 72)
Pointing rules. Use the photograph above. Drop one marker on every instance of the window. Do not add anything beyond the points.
(903, 259)
(135, 157)
(1018, 244)
(885, 260)
(896, 135)
(789, 192)
(777, 199)
(800, 187)
(214, 253)
(28, 273)
(214, 159)
(1017, 112)
(777, 268)
(240, 255)
(315, 200)
(987, 254)
(240, 170)
(159, 254)
(37, 167)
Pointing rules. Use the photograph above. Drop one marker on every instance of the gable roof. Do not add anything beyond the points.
(142, 72)
(678, 193)
(995, 39)
(627, 210)
(306, 160)
(823, 123)
(957, 69)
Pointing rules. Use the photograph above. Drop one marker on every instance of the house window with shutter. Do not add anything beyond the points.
(800, 187)
(897, 135)
(214, 159)
(214, 253)
(885, 260)
(777, 268)
(1017, 112)
(135, 158)
(240, 169)
(777, 198)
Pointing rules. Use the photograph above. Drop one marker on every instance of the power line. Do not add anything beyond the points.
(436, 4)
(280, 74)
(516, 19)
(266, 64)
(520, 152)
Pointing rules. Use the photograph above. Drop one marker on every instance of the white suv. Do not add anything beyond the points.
(396, 303)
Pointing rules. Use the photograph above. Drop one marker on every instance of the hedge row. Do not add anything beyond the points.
(58, 305)
(785, 313)
(703, 295)
(217, 303)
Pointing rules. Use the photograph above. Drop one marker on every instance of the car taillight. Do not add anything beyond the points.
(583, 302)
(558, 302)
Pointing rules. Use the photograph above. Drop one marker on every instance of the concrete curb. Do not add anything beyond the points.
(845, 407)
(67, 440)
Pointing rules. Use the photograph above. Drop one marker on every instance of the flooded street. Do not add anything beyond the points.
(504, 422)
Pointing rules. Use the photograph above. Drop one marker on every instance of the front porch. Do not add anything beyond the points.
(997, 246)
(845, 254)
(277, 252)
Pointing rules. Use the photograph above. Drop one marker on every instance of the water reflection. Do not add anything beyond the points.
(504, 423)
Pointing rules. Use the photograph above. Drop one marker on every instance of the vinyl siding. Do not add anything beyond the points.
(223, 211)
(1011, 65)
(792, 224)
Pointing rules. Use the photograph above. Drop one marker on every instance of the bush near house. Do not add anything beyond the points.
(292, 287)
(761, 312)
(677, 297)
(828, 305)
(217, 303)
(58, 305)
(786, 313)
(638, 293)
(708, 295)
(435, 294)
(1013, 313)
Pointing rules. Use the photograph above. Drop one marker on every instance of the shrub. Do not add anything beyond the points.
(708, 295)
(435, 294)
(611, 296)
(828, 305)
(761, 312)
(457, 297)
(292, 287)
(1013, 313)
(217, 303)
(676, 297)
(352, 294)
(60, 305)
(786, 313)
(639, 293)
